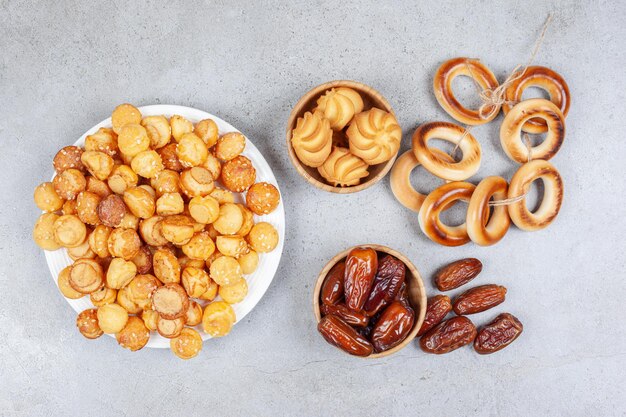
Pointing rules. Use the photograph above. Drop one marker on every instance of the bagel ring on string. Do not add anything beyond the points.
(511, 130)
(437, 201)
(455, 134)
(400, 180)
(489, 231)
(481, 75)
(552, 195)
(546, 79)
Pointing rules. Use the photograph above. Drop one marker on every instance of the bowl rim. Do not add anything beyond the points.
(421, 309)
(297, 110)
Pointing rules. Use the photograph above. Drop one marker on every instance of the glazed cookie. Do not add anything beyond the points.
(238, 174)
(134, 335)
(187, 344)
(263, 198)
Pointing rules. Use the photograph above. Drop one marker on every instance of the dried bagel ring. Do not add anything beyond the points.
(552, 195)
(546, 79)
(481, 227)
(437, 201)
(453, 171)
(401, 186)
(511, 130)
(442, 84)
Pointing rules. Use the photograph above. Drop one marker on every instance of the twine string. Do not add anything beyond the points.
(513, 200)
(493, 99)
(458, 142)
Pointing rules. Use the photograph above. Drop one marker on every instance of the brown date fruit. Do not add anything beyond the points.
(437, 308)
(361, 266)
(393, 326)
(367, 330)
(338, 333)
(449, 335)
(353, 318)
(479, 299)
(457, 273)
(389, 278)
(498, 334)
(403, 295)
(332, 288)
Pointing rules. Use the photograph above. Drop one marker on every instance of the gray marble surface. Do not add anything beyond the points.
(63, 67)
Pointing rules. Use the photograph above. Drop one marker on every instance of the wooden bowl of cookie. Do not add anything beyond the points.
(343, 136)
(369, 301)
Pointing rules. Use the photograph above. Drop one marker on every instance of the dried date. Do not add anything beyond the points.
(498, 334)
(437, 309)
(361, 266)
(332, 288)
(457, 273)
(353, 318)
(479, 299)
(389, 278)
(393, 326)
(448, 336)
(338, 333)
(367, 330)
(403, 295)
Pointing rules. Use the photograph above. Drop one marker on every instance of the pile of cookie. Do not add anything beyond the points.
(342, 139)
(508, 200)
(148, 212)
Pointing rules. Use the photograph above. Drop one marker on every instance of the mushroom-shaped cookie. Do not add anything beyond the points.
(374, 136)
(342, 168)
(312, 139)
(339, 105)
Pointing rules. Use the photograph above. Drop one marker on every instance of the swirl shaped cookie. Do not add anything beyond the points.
(342, 168)
(374, 136)
(339, 105)
(312, 139)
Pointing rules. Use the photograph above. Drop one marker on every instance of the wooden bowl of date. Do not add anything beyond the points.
(371, 98)
(416, 290)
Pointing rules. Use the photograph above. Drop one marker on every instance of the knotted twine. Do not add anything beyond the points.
(493, 99)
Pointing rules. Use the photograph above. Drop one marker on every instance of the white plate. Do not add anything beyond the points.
(260, 280)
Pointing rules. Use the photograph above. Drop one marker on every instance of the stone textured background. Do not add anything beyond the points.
(65, 65)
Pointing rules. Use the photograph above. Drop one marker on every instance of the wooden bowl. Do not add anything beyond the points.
(371, 98)
(417, 293)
